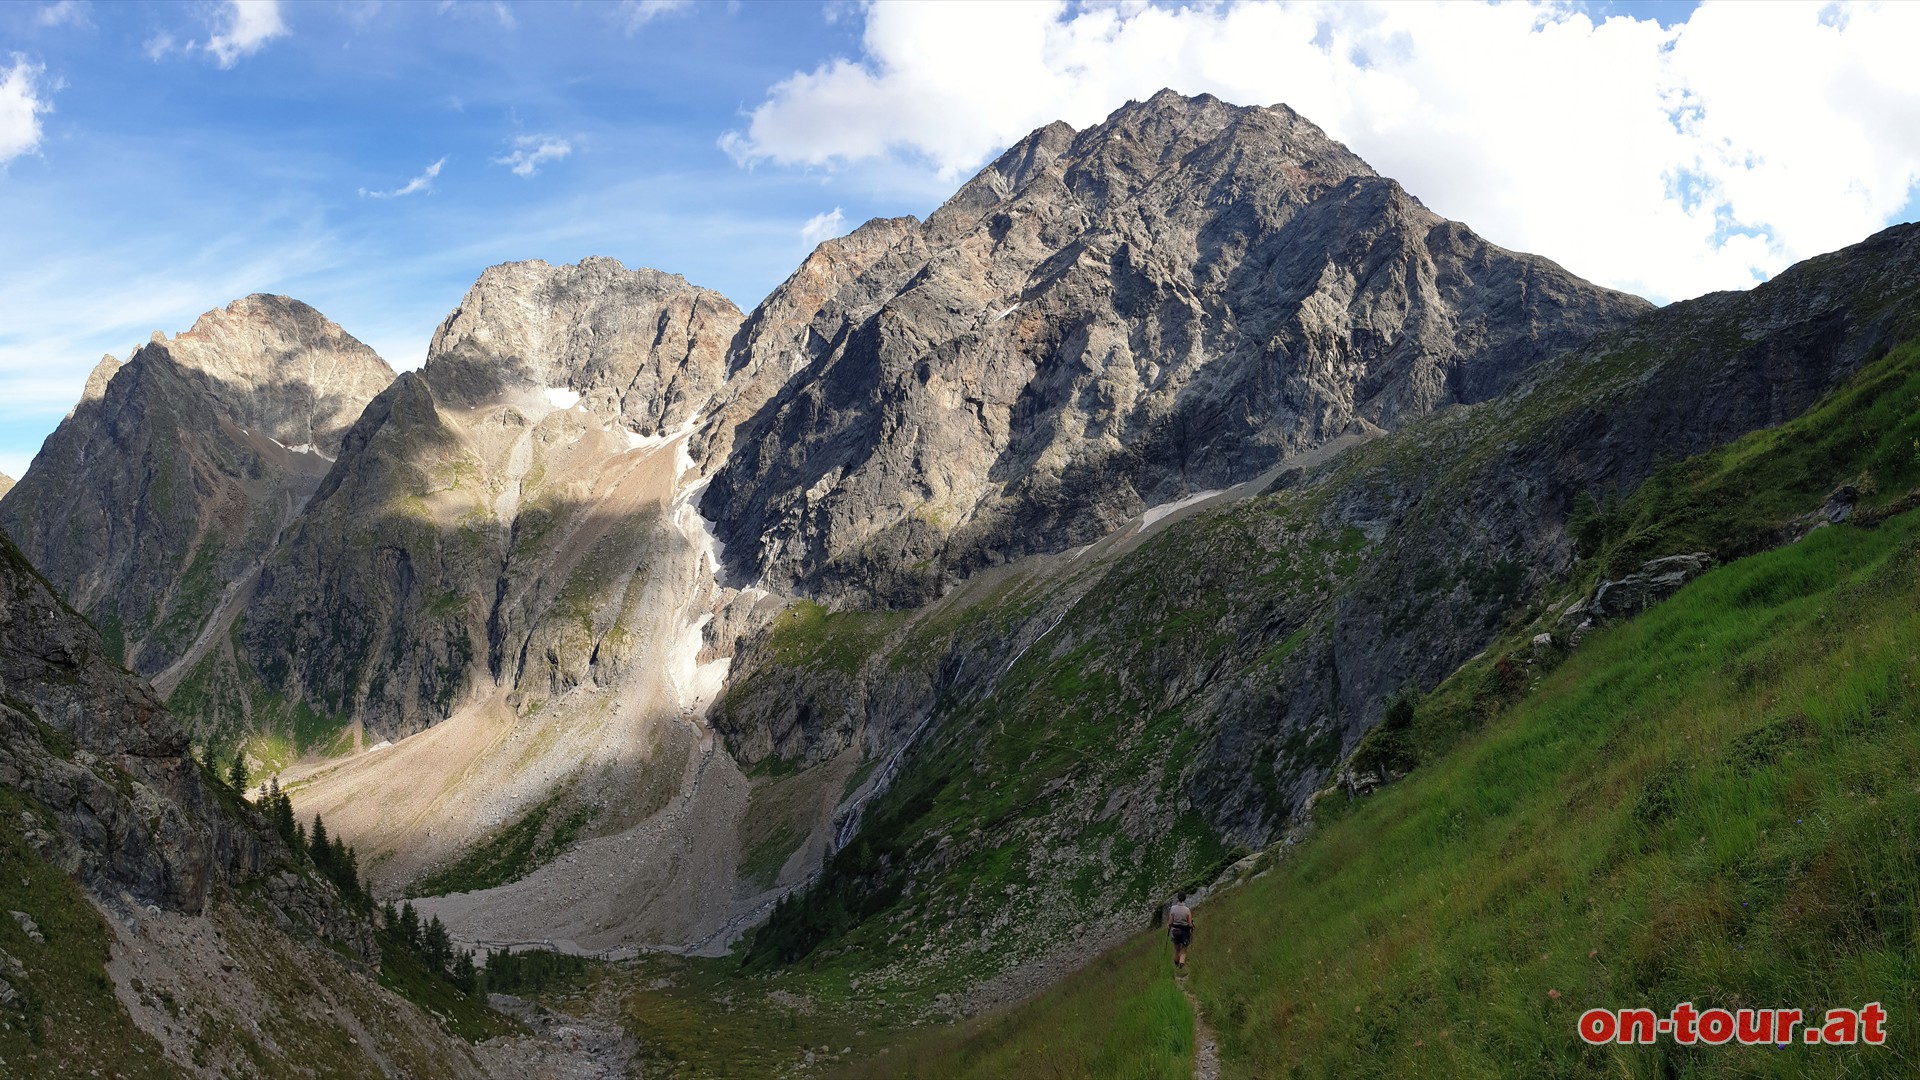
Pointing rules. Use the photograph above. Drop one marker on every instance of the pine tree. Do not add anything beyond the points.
(389, 916)
(237, 774)
(410, 926)
(349, 867)
(280, 809)
(436, 946)
(317, 846)
(464, 975)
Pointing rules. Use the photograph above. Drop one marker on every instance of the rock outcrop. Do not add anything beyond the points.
(1100, 322)
(160, 494)
(1625, 597)
(6, 485)
(127, 810)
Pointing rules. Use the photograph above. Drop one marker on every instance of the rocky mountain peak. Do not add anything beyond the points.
(277, 367)
(97, 381)
(642, 344)
(6, 485)
(175, 473)
(1100, 321)
(1179, 139)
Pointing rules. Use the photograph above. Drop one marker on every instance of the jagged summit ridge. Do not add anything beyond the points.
(641, 344)
(281, 368)
(176, 471)
(1105, 320)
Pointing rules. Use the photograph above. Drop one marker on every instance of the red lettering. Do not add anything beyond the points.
(1784, 1021)
(1842, 1026)
(1637, 1026)
(1716, 1026)
(1597, 1025)
(1872, 1019)
(1683, 1021)
(1756, 1026)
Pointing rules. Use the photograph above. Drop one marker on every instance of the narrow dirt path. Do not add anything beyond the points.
(1206, 1048)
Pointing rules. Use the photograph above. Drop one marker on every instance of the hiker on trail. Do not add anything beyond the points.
(1180, 928)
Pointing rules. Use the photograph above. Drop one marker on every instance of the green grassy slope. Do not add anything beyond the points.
(1714, 803)
(64, 1020)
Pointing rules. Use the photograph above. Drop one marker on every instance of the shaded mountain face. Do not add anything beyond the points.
(497, 519)
(1101, 322)
(178, 470)
(180, 883)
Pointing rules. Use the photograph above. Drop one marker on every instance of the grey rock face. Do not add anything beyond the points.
(120, 803)
(482, 526)
(175, 473)
(1623, 598)
(641, 344)
(1100, 322)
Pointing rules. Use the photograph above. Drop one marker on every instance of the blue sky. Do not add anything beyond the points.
(158, 160)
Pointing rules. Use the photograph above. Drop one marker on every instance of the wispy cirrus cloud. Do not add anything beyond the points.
(423, 182)
(639, 13)
(22, 101)
(532, 151)
(501, 13)
(63, 13)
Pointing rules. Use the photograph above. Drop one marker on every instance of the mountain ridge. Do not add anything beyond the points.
(928, 418)
(537, 559)
(177, 469)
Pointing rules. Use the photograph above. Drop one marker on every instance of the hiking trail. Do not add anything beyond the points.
(1206, 1049)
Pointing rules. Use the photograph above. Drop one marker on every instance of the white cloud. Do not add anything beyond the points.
(1668, 162)
(423, 182)
(157, 46)
(247, 27)
(63, 13)
(21, 103)
(823, 227)
(639, 13)
(531, 151)
(501, 13)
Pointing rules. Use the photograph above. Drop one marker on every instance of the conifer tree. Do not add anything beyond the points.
(317, 846)
(464, 975)
(237, 774)
(349, 868)
(410, 925)
(436, 946)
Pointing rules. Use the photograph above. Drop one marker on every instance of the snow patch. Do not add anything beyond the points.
(696, 684)
(303, 448)
(1164, 509)
(562, 398)
(381, 745)
(1004, 312)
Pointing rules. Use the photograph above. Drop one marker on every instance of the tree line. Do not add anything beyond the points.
(400, 926)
